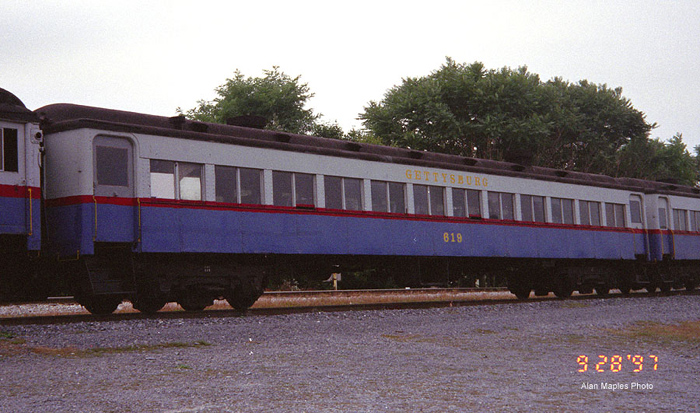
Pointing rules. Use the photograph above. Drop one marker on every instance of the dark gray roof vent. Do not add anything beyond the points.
(178, 121)
(248, 121)
(199, 127)
(283, 137)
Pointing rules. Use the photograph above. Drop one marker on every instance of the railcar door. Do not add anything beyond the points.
(114, 202)
(665, 237)
(637, 222)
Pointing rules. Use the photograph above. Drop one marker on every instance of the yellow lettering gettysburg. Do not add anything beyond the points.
(459, 179)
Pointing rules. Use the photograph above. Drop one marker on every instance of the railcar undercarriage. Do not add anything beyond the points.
(586, 276)
(114, 273)
(149, 281)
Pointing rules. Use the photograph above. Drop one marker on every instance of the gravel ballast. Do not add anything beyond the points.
(506, 357)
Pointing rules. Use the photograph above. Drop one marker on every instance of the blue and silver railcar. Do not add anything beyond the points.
(156, 209)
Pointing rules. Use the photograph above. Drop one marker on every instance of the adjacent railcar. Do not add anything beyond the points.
(20, 194)
(158, 209)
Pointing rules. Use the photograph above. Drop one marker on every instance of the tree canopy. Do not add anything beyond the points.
(276, 97)
(508, 114)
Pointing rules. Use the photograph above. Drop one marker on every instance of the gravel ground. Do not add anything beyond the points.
(507, 357)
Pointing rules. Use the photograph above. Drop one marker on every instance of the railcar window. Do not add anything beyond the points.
(474, 203)
(501, 205)
(589, 212)
(343, 193)
(353, 193)
(636, 212)
(459, 202)
(226, 184)
(190, 181)
(9, 152)
(112, 166)
(429, 200)
(494, 205)
(282, 188)
(663, 220)
(562, 211)
(397, 198)
(680, 219)
(304, 190)
(334, 192)
(620, 216)
(437, 200)
(380, 196)
(615, 215)
(388, 197)
(251, 186)
(532, 208)
(466, 202)
(162, 179)
(420, 200)
(229, 190)
(695, 221)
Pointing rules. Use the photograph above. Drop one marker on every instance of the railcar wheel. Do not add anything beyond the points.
(239, 300)
(149, 297)
(602, 291)
(99, 305)
(565, 287)
(521, 291)
(194, 302)
(245, 294)
(149, 305)
(624, 286)
(192, 307)
(690, 284)
(624, 282)
(665, 287)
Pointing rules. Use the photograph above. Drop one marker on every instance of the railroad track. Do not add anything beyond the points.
(61, 310)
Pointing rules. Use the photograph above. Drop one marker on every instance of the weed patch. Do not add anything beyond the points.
(10, 347)
(651, 331)
(402, 338)
(484, 331)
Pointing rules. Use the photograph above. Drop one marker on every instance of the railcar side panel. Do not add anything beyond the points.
(269, 231)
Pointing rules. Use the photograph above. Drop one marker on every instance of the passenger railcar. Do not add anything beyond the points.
(156, 209)
(20, 194)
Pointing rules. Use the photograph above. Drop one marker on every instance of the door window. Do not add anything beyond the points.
(113, 162)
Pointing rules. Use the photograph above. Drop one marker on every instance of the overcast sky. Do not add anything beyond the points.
(155, 56)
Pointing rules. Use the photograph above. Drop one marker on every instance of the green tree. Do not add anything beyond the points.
(328, 130)
(657, 160)
(509, 114)
(277, 97)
